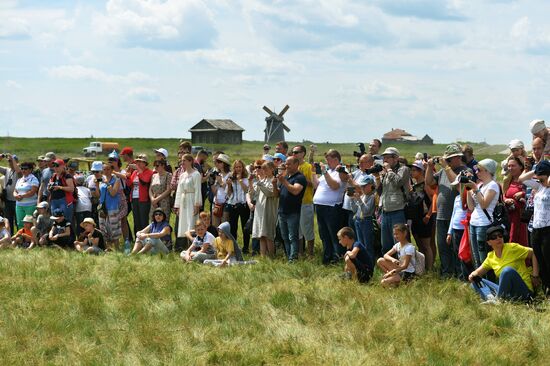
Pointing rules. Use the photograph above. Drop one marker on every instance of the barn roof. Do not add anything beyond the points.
(215, 125)
(396, 133)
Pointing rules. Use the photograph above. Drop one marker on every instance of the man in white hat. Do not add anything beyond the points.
(451, 164)
(394, 182)
(517, 149)
(539, 129)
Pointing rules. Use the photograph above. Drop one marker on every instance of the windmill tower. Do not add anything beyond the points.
(274, 126)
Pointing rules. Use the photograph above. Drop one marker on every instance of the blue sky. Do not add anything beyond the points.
(350, 70)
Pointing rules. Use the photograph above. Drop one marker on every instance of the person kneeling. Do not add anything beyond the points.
(507, 260)
(402, 268)
(90, 240)
(155, 237)
(356, 257)
(202, 247)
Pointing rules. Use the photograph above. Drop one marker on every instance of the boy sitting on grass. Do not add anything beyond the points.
(60, 234)
(5, 237)
(356, 258)
(23, 238)
(202, 247)
(42, 223)
(90, 240)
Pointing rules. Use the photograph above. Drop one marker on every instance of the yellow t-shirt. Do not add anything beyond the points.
(223, 247)
(305, 169)
(513, 255)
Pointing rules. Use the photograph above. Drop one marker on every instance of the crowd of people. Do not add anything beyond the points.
(492, 232)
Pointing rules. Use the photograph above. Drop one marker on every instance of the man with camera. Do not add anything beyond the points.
(292, 184)
(394, 183)
(366, 163)
(451, 165)
(11, 176)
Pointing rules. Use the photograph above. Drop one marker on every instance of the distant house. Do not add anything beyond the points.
(402, 136)
(216, 131)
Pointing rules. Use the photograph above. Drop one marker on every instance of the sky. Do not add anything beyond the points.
(350, 70)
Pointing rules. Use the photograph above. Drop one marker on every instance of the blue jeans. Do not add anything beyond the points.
(328, 221)
(290, 231)
(389, 219)
(365, 235)
(510, 286)
(478, 244)
(61, 204)
(448, 257)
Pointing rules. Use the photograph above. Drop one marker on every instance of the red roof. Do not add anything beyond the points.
(395, 134)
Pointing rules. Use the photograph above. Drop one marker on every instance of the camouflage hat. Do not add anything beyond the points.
(453, 150)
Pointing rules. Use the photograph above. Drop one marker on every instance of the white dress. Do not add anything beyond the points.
(188, 195)
(265, 213)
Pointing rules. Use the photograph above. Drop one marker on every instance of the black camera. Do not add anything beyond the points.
(318, 168)
(51, 186)
(350, 190)
(531, 160)
(361, 151)
(464, 179)
(375, 169)
(341, 169)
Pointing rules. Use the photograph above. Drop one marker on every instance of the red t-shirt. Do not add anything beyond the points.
(144, 181)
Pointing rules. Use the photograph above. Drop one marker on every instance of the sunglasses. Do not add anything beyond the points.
(25, 168)
(495, 236)
(258, 167)
(296, 152)
(159, 214)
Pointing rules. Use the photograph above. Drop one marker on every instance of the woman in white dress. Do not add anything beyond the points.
(267, 203)
(188, 200)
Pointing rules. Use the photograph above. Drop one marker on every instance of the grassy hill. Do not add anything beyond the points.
(66, 308)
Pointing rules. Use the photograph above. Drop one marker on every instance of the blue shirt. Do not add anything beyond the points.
(289, 203)
(157, 227)
(362, 256)
(110, 202)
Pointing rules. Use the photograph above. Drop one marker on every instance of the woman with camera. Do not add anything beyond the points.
(482, 200)
(265, 216)
(108, 210)
(237, 187)
(540, 237)
(219, 188)
(10, 178)
(514, 199)
(62, 188)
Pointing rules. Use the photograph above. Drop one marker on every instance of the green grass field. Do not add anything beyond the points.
(65, 308)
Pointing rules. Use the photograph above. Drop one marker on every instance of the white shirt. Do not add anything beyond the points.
(541, 212)
(324, 195)
(84, 202)
(238, 195)
(478, 215)
(402, 251)
(458, 215)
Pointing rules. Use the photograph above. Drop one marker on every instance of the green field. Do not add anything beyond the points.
(65, 308)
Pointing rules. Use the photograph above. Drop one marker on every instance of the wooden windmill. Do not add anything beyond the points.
(274, 125)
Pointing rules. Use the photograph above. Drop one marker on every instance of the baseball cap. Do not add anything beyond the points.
(162, 151)
(127, 151)
(280, 156)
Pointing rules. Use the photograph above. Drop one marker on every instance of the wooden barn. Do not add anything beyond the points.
(402, 136)
(216, 131)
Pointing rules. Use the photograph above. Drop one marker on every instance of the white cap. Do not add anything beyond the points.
(162, 151)
(516, 144)
(537, 125)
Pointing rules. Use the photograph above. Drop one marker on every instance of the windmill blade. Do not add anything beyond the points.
(284, 110)
(286, 128)
(268, 110)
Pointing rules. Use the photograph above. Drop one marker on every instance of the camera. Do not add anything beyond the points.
(531, 160)
(361, 151)
(464, 179)
(51, 186)
(350, 190)
(317, 168)
(436, 160)
(342, 169)
(5, 155)
(375, 169)
(425, 156)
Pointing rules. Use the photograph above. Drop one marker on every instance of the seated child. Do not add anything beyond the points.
(402, 268)
(24, 238)
(205, 218)
(90, 240)
(202, 247)
(227, 248)
(60, 233)
(42, 223)
(155, 237)
(357, 260)
(5, 237)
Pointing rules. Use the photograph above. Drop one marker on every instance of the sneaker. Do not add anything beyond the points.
(491, 300)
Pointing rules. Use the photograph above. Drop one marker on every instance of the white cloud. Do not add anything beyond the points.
(532, 39)
(381, 91)
(14, 28)
(143, 95)
(79, 72)
(155, 24)
(443, 10)
(13, 84)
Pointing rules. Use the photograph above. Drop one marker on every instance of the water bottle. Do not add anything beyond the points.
(127, 247)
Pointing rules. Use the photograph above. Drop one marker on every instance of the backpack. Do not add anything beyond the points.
(500, 213)
(414, 206)
(420, 263)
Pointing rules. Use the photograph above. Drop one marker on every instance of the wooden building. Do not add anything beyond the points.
(402, 136)
(216, 131)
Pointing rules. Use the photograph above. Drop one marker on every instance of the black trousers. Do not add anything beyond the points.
(9, 213)
(237, 211)
(541, 248)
